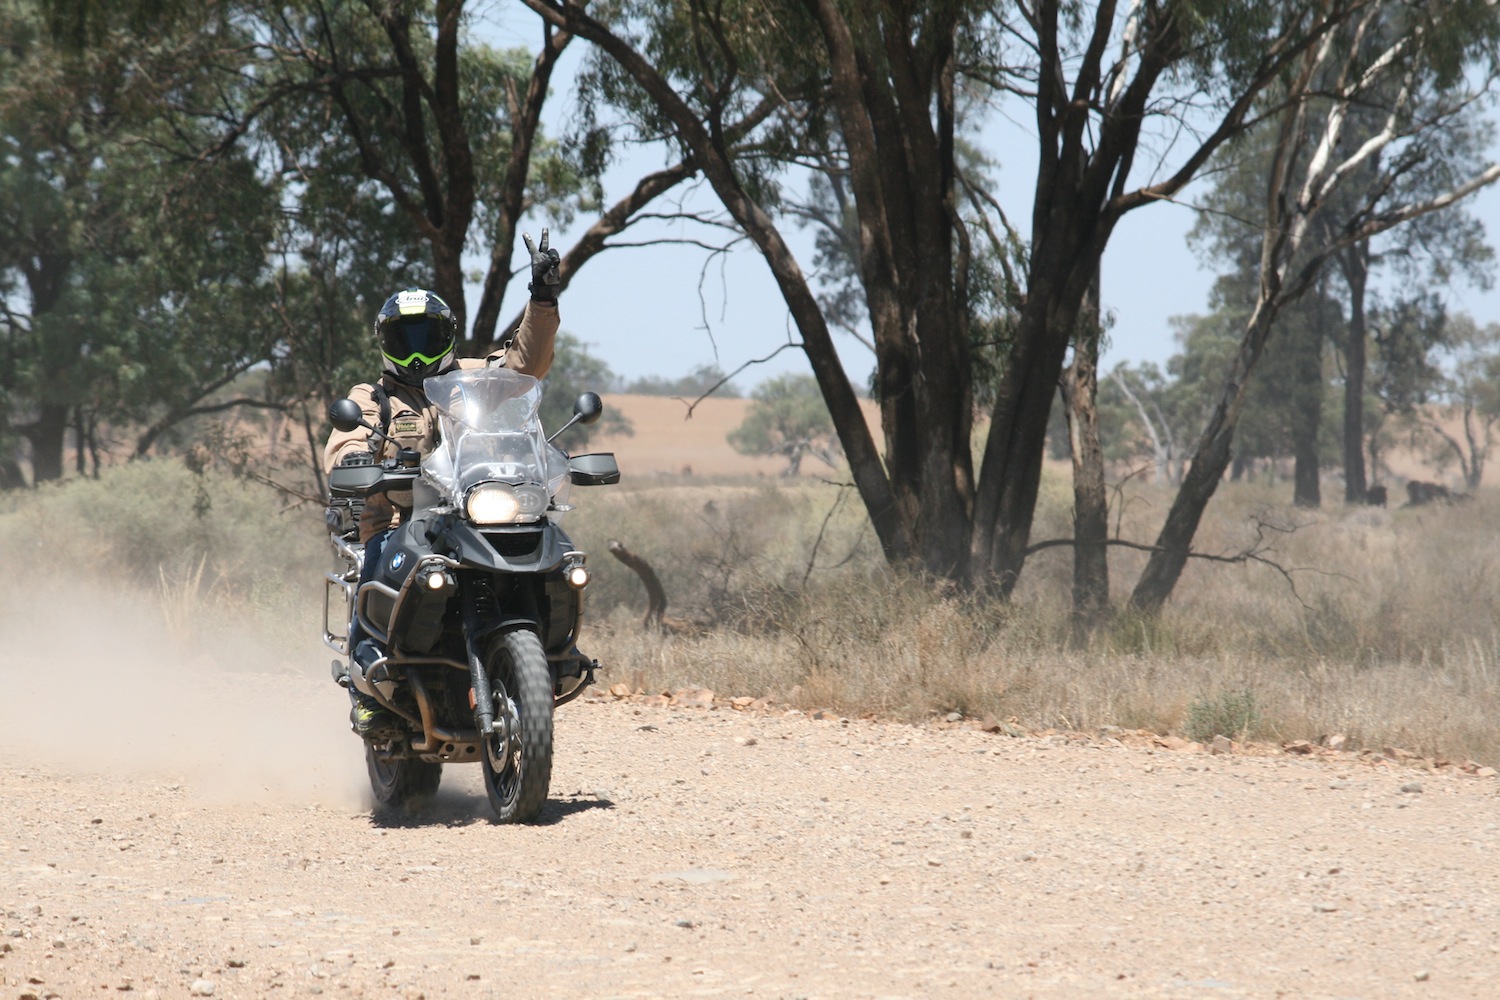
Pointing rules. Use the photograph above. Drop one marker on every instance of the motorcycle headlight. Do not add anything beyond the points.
(501, 503)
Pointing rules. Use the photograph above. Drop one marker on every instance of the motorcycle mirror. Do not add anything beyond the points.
(588, 408)
(345, 415)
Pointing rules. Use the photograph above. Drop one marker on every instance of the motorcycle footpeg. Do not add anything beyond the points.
(340, 671)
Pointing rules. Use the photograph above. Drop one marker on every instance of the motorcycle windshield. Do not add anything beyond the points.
(489, 431)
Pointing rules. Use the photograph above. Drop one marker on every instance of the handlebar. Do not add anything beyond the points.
(367, 479)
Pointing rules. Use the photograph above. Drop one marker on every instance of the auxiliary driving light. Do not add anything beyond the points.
(578, 577)
(437, 581)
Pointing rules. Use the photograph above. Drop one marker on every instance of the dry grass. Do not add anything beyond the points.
(1386, 632)
(1389, 637)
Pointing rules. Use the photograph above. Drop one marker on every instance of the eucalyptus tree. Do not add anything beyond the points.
(787, 418)
(1443, 59)
(877, 85)
(1429, 250)
(120, 260)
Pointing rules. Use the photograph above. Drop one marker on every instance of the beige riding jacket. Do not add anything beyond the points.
(413, 421)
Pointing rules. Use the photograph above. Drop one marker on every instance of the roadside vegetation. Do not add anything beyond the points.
(1382, 629)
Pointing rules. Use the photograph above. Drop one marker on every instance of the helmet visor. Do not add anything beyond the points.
(405, 339)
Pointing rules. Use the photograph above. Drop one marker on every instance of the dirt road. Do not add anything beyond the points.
(692, 852)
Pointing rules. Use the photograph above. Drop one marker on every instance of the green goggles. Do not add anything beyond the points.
(405, 339)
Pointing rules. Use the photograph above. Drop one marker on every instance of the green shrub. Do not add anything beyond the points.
(150, 520)
(1234, 714)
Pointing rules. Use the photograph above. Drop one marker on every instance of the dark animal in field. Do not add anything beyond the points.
(1376, 496)
(656, 595)
(1419, 493)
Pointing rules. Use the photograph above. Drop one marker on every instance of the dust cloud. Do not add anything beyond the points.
(96, 679)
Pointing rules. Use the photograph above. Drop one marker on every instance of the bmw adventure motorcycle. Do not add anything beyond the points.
(478, 597)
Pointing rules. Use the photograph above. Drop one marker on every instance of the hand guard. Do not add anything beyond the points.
(544, 274)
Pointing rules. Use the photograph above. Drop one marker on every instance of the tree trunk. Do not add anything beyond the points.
(1356, 267)
(1011, 473)
(47, 434)
(1080, 388)
(1080, 197)
(901, 167)
(1161, 450)
(1175, 540)
(1307, 414)
(11, 477)
(80, 436)
(1477, 432)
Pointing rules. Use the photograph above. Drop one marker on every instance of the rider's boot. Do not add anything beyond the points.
(367, 716)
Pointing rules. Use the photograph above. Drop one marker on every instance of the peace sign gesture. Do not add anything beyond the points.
(544, 274)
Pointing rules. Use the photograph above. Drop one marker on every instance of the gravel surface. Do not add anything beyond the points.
(704, 852)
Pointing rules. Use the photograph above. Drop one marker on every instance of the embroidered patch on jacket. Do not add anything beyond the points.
(406, 425)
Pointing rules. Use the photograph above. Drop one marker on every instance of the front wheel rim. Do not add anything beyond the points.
(504, 755)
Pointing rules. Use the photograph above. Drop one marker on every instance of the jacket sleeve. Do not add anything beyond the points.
(341, 443)
(530, 351)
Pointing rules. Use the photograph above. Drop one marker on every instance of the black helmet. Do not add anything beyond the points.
(417, 334)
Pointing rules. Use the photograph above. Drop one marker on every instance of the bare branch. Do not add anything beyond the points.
(812, 557)
(1254, 554)
(717, 385)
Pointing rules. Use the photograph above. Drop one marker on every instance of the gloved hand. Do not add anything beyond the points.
(544, 274)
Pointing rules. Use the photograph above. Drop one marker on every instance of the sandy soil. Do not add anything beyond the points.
(185, 812)
(705, 852)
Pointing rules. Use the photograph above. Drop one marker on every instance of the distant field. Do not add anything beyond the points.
(667, 442)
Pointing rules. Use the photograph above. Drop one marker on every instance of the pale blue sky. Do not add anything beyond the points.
(642, 312)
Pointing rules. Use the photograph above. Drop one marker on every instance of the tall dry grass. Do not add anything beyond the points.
(1379, 625)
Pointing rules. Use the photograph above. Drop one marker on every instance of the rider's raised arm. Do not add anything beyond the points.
(341, 443)
(530, 350)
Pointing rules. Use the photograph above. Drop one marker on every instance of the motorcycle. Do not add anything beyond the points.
(477, 600)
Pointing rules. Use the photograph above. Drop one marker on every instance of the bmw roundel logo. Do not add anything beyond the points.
(397, 561)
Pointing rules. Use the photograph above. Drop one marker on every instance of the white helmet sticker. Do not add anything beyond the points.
(412, 302)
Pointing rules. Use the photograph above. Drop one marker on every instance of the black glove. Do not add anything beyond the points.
(544, 274)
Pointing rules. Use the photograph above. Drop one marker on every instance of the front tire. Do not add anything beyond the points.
(398, 782)
(518, 771)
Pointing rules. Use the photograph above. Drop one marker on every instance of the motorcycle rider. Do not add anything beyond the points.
(418, 336)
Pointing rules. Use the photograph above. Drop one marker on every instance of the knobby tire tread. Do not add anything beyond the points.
(530, 684)
(413, 780)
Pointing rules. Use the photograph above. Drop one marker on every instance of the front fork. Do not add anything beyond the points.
(478, 598)
(481, 617)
